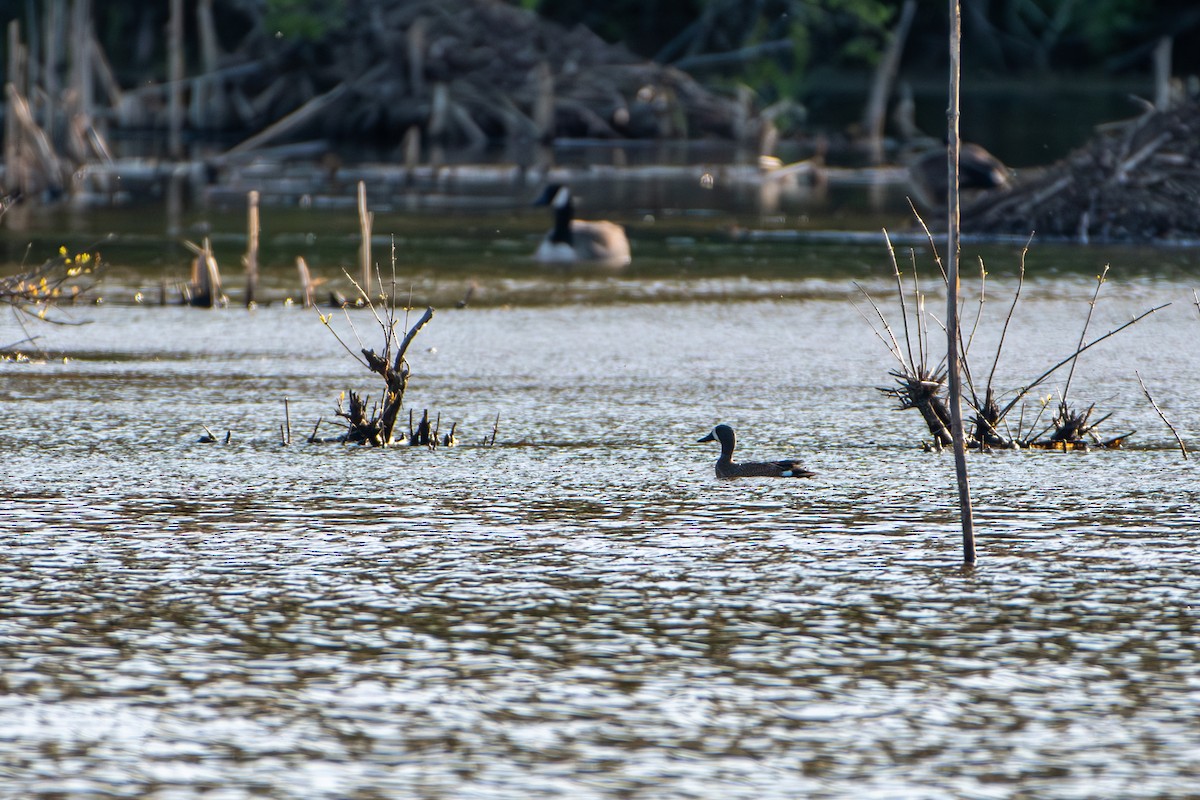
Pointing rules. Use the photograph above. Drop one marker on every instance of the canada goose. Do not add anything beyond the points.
(750, 469)
(573, 240)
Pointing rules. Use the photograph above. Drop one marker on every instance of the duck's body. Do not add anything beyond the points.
(726, 468)
(571, 241)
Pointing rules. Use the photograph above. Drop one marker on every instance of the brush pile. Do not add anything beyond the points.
(463, 71)
(920, 380)
(1136, 181)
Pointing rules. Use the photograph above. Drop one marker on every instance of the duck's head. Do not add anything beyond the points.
(722, 433)
(555, 194)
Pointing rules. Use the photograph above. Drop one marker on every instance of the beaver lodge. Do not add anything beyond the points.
(411, 73)
(1135, 181)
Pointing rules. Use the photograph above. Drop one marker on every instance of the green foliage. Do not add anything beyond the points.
(1103, 23)
(306, 20)
(829, 32)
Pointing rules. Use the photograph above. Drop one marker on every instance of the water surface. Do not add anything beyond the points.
(583, 610)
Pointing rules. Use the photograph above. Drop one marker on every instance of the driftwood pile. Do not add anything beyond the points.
(465, 71)
(386, 72)
(1136, 181)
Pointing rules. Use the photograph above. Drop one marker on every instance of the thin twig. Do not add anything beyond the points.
(1083, 333)
(978, 310)
(1162, 416)
(937, 259)
(1011, 309)
(922, 322)
(366, 298)
(325, 321)
(891, 348)
(1037, 381)
(894, 347)
(900, 293)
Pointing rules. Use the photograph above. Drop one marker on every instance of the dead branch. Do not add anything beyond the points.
(1011, 309)
(894, 346)
(900, 293)
(1162, 416)
(1083, 333)
(1039, 379)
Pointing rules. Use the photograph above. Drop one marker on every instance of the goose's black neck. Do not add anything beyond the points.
(564, 212)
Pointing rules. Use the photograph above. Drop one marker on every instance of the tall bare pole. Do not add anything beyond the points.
(251, 257)
(952, 259)
(365, 218)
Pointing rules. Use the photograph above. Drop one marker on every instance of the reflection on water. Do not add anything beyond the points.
(584, 610)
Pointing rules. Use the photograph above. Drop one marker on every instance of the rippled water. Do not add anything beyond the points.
(583, 610)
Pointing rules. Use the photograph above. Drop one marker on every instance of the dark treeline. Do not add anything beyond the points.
(407, 73)
(769, 45)
(1001, 37)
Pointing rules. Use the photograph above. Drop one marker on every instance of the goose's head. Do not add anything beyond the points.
(556, 195)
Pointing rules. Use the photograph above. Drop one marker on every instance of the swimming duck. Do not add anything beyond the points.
(571, 240)
(750, 469)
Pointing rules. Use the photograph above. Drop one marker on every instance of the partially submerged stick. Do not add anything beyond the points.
(952, 336)
(251, 257)
(287, 421)
(365, 218)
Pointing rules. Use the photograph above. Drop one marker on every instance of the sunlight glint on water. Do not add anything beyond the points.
(584, 610)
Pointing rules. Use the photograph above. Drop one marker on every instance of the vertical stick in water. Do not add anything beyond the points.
(306, 285)
(364, 251)
(252, 248)
(952, 203)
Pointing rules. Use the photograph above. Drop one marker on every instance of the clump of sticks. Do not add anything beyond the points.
(920, 380)
(374, 423)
